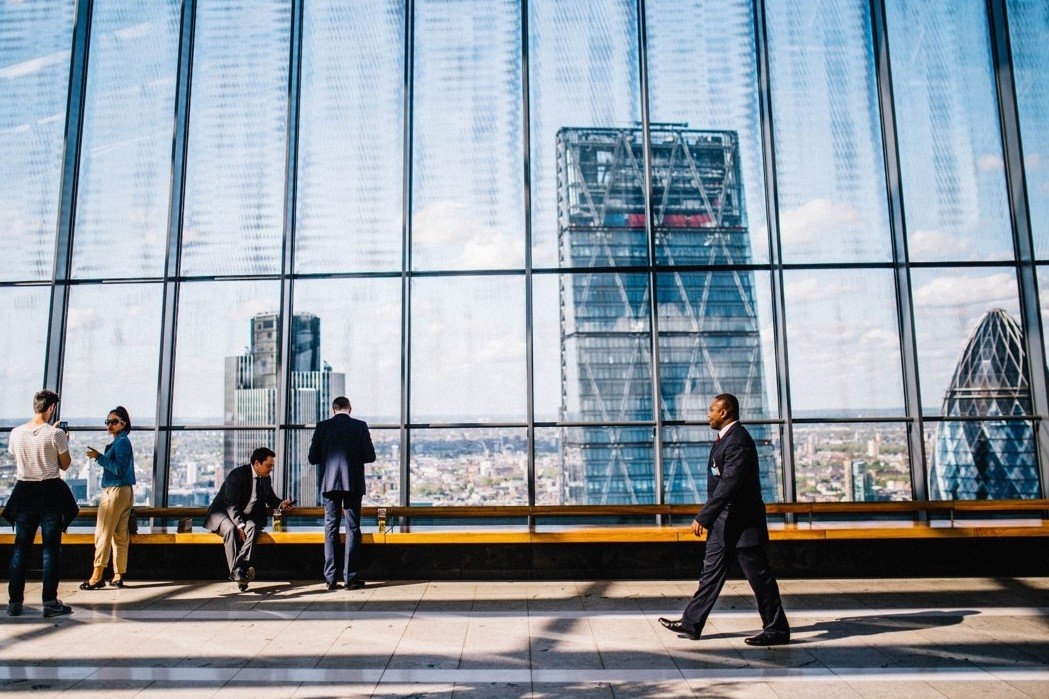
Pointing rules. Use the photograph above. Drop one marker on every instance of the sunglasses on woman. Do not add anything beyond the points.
(113, 422)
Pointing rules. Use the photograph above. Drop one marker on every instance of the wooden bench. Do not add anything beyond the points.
(531, 530)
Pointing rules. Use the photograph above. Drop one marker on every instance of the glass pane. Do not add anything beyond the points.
(125, 159)
(853, 462)
(471, 466)
(468, 349)
(1043, 303)
(23, 352)
(351, 133)
(969, 337)
(112, 352)
(844, 319)
(226, 356)
(200, 460)
(608, 466)
(382, 478)
(686, 453)
(22, 369)
(708, 81)
(949, 138)
(829, 165)
(605, 358)
(583, 72)
(468, 152)
(35, 43)
(715, 336)
(982, 460)
(234, 208)
(84, 476)
(360, 341)
(1029, 34)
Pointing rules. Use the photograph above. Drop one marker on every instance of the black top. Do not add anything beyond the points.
(734, 508)
(49, 496)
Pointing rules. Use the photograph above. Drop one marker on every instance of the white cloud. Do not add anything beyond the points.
(937, 244)
(468, 243)
(811, 290)
(1033, 161)
(990, 162)
(951, 292)
(815, 219)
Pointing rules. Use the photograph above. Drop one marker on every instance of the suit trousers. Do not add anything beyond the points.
(238, 553)
(111, 527)
(335, 503)
(756, 569)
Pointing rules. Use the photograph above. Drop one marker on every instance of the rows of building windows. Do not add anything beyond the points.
(531, 239)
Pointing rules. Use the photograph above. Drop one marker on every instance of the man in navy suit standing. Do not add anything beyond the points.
(734, 516)
(341, 446)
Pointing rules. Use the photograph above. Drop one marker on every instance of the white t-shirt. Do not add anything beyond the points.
(36, 449)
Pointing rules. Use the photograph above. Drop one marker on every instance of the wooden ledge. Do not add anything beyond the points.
(597, 535)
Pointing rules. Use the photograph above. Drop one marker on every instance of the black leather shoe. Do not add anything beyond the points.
(88, 585)
(677, 627)
(768, 639)
(355, 584)
(333, 585)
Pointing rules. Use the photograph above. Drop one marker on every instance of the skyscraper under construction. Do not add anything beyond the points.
(709, 340)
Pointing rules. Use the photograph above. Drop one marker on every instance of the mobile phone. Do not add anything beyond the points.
(64, 426)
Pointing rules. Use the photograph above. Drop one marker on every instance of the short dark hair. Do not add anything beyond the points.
(121, 412)
(261, 454)
(340, 403)
(42, 400)
(730, 403)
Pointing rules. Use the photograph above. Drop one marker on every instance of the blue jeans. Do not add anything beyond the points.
(26, 524)
(351, 504)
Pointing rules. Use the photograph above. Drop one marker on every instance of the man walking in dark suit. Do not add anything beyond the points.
(341, 446)
(239, 512)
(734, 516)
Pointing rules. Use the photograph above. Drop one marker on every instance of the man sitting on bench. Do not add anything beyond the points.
(239, 512)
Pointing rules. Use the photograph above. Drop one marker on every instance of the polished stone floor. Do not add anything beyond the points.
(852, 638)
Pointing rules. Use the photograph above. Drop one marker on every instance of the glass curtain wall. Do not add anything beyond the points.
(530, 240)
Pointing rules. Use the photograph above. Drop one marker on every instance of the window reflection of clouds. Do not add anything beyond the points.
(125, 179)
(35, 40)
(22, 369)
(845, 320)
(468, 173)
(468, 349)
(829, 167)
(235, 170)
(351, 137)
(948, 305)
(949, 136)
(1029, 34)
(112, 351)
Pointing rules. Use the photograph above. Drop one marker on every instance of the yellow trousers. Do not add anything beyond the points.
(111, 527)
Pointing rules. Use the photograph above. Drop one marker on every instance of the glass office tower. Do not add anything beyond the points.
(709, 339)
(989, 459)
(251, 398)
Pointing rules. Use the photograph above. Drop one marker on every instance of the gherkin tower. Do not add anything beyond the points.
(987, 459)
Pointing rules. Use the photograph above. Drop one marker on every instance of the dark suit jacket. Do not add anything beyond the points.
(233, 497)
(341, 446)
(734, 511)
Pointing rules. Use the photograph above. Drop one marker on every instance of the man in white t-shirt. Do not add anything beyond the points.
(40, 500)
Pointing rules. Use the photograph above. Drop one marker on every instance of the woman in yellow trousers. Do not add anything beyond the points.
(118, 480)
